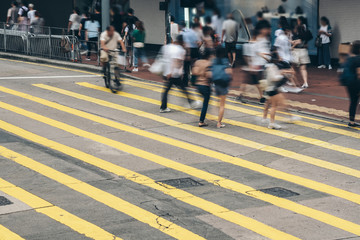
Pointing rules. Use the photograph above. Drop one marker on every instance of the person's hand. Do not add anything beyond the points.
(168, 76)
(106, 49)
(124, 50)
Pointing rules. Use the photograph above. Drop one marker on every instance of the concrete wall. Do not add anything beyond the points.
(154, 19)
(344, 18)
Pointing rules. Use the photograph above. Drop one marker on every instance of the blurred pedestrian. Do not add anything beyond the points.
(138, 36)
(12, 14)
(202, 72)
(301, 37)
(221, 76)
(31, 13)
(74, 21)
(38, 23)
(230, 33)
(217, 23)
(174, 55)
(350, 78)
(92, 27)
(325, 34)
(208, 40)
(174, 29)
(116, 19)
(23, 16)
(82, 34)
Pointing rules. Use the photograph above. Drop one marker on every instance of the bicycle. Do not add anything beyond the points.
(112, 73)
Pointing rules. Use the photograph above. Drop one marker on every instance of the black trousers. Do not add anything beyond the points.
(353, 91)
(168, 84)
(90, 43)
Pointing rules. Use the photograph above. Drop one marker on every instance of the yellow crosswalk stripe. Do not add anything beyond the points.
(258, 128)
(106, 198)
(181, 144)
(257, 113)
(209, 177)
(41, 206)
(230, 138)
(6, 234)
(181, 195)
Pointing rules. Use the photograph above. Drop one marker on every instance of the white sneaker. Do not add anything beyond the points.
(283, 90)
(264, 121)
(166, 110)
(330, 67)
(196, 104)
(146, 65)
(321, 66)
(294, 119)
(135, 70)
(305, 85)
(274, 126)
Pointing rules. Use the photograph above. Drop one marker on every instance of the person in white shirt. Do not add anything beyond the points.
(174, 55)
(31, 13)
(74, 21)
(217, 23)
(174, 29)
(230, 33)
(325, 33)
(12, 14)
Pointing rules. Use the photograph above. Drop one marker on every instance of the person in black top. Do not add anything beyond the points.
(131, 19)
(351, 80)
(116, 19)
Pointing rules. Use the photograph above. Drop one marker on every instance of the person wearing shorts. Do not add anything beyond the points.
(230, 35)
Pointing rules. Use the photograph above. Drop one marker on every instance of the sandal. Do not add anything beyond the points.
(203, 125)
(221, 125)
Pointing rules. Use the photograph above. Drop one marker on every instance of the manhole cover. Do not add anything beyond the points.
(279, 192)
(4, 201)
(181, 182)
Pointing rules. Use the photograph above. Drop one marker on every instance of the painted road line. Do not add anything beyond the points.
(178, 194)
(48, 77)
(99, 195)
(260, 113)
(233, 139)
(60, 215)
(181, 144)
(266, 130)
(6, 234)
(100, 75)
(209, 177)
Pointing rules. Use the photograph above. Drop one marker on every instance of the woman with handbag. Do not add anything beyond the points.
(138, 36)
(323, 43)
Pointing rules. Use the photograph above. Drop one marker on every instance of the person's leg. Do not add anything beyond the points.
(167, 86)
(187, 65)
(181, 84)
(354, 101)
(136, 57)
(304, 74)
(326, 54)
(221, 110)
(205, 92)
(89, 46)
(266, 108)
(321, 56)
(144, 58)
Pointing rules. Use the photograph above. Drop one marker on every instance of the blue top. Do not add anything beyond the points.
(191, 38)
(92, 28)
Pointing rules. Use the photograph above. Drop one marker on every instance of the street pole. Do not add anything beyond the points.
(167, 22)
(105, 13)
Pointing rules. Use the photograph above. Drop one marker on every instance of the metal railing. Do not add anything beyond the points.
(50, 42)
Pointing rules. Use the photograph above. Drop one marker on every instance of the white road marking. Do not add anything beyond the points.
(46, 77)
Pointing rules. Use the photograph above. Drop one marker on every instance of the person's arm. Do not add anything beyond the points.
(80, 29)
(69, 26)
(86, 35)
(103, 46)
(222, 35)
(122, 45)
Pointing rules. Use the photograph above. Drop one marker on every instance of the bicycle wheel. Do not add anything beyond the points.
(114, 83)
(107, 75)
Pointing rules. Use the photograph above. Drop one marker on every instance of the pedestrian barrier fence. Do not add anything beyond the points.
(49, 42)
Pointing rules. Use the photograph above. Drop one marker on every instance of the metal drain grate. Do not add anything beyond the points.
(181, 182)
(4, 201)
(279, 192)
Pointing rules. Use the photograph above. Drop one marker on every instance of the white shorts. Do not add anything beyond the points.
(300, 56)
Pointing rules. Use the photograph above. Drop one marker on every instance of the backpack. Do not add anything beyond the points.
(65, 45)
(219, 75)
(25, 11)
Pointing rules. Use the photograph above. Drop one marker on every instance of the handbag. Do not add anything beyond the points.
(318, 42)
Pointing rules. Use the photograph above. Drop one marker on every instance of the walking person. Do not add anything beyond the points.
(174, 29)
(138, 36)
(174, 54)
(23, 16)
(38, 23)
(221, 76)
(300, 52)
(92, 27)
(82, 34)
(230, 33)
(31, 13)
(74, 21)
(325, 33)
(202, 71)
(12, 15)
(351, 80)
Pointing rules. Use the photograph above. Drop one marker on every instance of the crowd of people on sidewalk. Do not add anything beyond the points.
(23, 17)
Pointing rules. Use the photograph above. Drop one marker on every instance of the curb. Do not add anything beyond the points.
(97, 69)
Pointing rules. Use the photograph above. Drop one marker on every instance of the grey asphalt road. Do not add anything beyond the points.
(77, 162)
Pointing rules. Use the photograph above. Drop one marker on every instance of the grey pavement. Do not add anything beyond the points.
(28, 223)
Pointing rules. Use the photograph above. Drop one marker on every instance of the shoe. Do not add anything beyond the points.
(240, 99)
(354, 125)
(264, 121)
(262, 100)
(135, 70)
(283, 90)
(203, 125)
(166, 110)
(294, 119)
(146, 65)
(88, 59)
(274, 126)
(221, 125)
(321, 66)
(330, 67)
(305, 85)
(196, 104)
